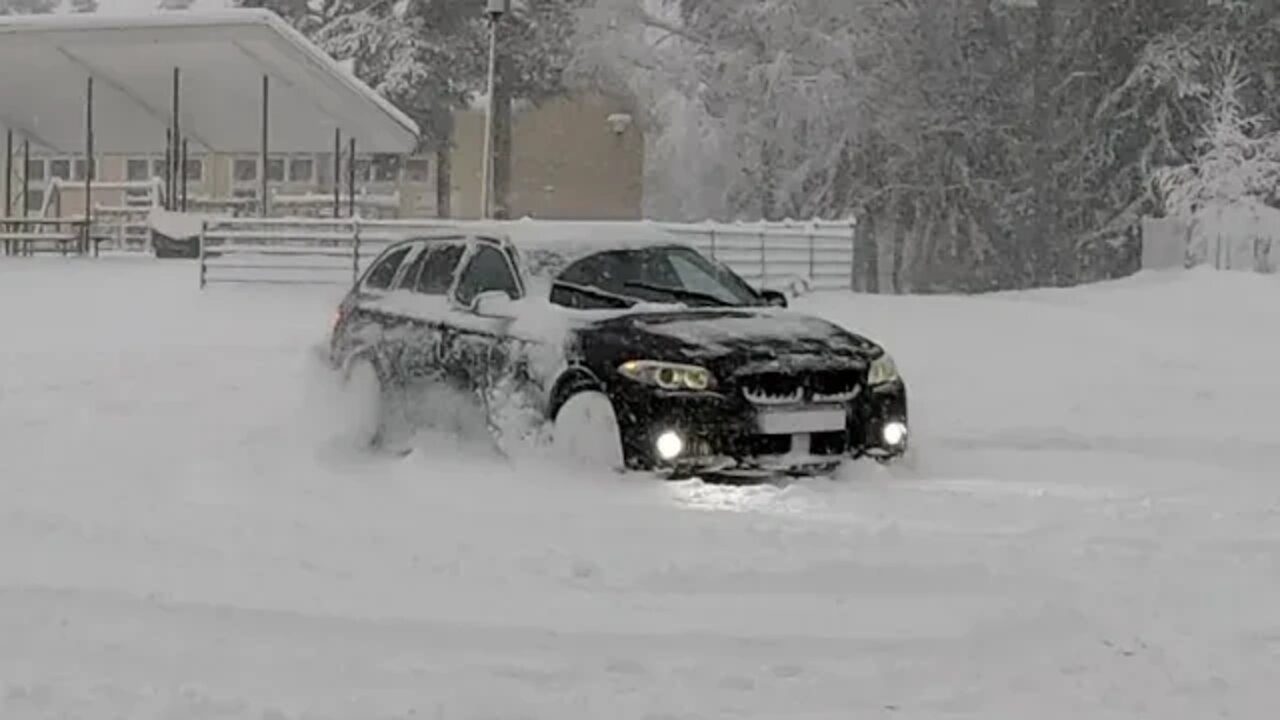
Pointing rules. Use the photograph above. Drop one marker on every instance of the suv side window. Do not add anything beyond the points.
(384, 272)
(410, 277)
(438, 271)
(487, 271)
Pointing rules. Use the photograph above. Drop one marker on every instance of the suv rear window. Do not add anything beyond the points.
(384, 272)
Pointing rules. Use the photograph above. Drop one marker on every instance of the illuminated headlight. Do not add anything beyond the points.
(668, 376)
(669, 445)
(894, 433)
(883, 371)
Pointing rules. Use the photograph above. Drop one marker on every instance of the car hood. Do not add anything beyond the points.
(736, 339)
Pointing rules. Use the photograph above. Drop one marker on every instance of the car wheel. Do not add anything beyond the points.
(364, 404)
(585, 431)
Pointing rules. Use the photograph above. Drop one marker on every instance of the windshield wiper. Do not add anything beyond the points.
(623, 300)
(679, 292)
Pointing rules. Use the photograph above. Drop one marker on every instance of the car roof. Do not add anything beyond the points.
(579, 237)
(548, 246)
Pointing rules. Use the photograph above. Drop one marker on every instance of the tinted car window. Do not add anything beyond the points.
(409, 280)
(487, 271)
(437, 272)
(384, 272)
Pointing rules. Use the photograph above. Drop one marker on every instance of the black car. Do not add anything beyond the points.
(626, 342)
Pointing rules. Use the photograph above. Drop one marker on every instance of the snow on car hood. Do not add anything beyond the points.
(762, 334)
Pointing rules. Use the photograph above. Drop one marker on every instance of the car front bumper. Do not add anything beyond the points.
(726, 434)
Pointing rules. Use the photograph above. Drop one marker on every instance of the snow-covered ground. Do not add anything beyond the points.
(1092, 528)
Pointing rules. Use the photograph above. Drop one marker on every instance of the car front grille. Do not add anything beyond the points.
(812, 386)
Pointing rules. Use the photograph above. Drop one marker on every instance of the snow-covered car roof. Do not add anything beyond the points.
(547, 247)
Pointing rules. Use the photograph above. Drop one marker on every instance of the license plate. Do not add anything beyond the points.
(809, 420)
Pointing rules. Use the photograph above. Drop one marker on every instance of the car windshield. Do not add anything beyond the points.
(621, 278)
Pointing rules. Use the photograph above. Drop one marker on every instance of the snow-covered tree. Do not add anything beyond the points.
(767, 88)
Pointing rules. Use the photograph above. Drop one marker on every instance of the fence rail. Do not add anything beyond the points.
(790, 256)
(31, 235)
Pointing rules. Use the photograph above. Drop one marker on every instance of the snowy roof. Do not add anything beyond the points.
(222, 56)
(550, 245)
(554, 245)
(571, 235)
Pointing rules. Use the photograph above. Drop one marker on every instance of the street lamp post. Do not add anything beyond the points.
(494, 9)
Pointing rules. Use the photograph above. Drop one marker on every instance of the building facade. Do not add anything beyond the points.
(579, 157)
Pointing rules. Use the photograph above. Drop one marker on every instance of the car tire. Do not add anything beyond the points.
(364, 404)
(585, 432)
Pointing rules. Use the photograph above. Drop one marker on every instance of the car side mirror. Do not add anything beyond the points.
(774, 298)
(494, 304)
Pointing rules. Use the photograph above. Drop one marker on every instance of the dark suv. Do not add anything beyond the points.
(652, 348)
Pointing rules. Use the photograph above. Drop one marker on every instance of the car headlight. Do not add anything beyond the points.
(668, 376)
(883, 371)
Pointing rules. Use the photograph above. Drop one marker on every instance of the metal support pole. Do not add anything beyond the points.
(183, 176)
(168, 169)
(264, 157)
(351, 177)
(173, 157)
(8, 185)
(355, 251)
(853, 254)
(486, 174)
(89, 169)
(26, 177)
(204, 272)
(337, 172)
(8, 173)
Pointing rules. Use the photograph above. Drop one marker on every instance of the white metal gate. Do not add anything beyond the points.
(790, 256)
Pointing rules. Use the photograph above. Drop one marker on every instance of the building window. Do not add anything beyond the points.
(80, 169)
(418, 170)
(137, 170)
(386, 168)
(244, 170)
(301, 170)
(60, 168)
(275, 169)
(35, 200)
(195, 170)
(324, 169)
(35, 170)
(362, 169)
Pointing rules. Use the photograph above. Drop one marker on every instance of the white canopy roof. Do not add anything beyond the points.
(222, 57)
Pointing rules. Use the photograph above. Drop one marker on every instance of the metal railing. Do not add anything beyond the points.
(33, 235)
(295, 251)
(792, 256)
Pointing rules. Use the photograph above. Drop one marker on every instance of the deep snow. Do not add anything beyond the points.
(1090, 531)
